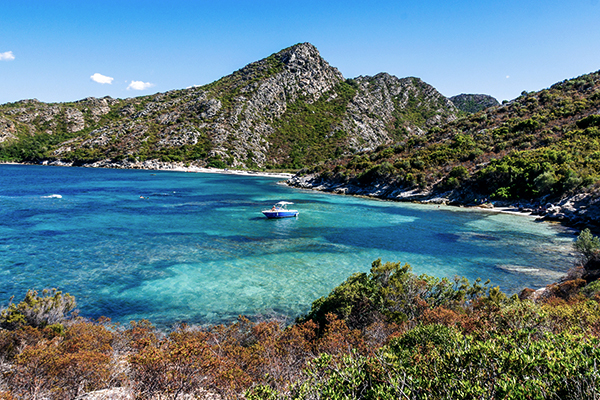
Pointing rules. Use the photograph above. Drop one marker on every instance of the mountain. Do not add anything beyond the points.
(472, 103)
(289, 110)
(541, 150)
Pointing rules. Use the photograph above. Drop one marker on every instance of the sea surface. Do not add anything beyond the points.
(197, 249)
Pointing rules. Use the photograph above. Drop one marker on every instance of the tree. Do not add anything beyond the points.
(587, 245)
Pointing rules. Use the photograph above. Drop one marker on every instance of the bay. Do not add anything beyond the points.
(197, 249)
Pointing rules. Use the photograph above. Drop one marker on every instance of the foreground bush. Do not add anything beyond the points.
(388, 334)
(436, 362)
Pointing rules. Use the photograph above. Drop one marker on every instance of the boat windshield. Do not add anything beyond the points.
(282, 205)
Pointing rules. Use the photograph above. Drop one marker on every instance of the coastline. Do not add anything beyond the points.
(228, 172)
(487, 207)
(577, 212)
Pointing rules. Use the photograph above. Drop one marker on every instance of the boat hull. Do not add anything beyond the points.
(280, 214)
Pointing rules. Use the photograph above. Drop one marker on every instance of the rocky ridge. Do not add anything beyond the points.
(387, 108)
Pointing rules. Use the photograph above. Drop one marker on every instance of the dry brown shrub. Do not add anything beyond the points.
(139, 335)
(568, 289)
(35, 370)
(84, 371)
(86, 336)
(299, 340)
(173, 366)
(190, 361)
(282, 353)
(338, 339)
(526, 294)
(7, 344)
(58, 368)
(441, 315)
(468, 321)
(12, 342)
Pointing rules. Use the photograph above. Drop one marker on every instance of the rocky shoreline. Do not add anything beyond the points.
(581, 210)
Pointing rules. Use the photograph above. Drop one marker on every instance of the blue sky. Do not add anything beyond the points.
(50, 50)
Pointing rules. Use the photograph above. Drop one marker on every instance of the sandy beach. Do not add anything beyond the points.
(504, 210)
(154, 165)
(282, 175)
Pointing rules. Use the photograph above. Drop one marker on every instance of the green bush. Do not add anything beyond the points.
(591, 120)
(459, 172)
(587, 245)
(437, 362)
(52, 307)
(545, 182)
(591, 290)
(392, 292)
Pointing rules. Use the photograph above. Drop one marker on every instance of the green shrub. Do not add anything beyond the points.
(426, 335)
(50, 308)
(545, 182)
(393, 292)
(502, 193)
(587, 245)
(217, 163)
(591, 290)
(459, 172)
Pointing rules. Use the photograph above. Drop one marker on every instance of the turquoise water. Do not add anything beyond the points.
(197, 249)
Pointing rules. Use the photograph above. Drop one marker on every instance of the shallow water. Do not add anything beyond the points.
(197, 248)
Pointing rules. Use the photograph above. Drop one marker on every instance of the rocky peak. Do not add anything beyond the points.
(387, 108)
(297, 67)
(304, 57)
(473, 103)
(94, 101)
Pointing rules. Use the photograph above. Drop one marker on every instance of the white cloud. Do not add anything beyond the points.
(507, 76)
(139, 85)
(101, 78)
(7, 56)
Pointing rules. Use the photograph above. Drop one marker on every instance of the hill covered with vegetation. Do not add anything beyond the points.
(541, 147)
(375, 135)
(289, 110)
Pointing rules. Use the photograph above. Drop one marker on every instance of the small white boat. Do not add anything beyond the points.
(280, 210)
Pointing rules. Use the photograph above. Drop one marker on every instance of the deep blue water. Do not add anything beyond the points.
(197, 249)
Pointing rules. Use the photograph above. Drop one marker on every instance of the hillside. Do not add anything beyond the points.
(473, 103)
(540, 148)
(289, 110)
